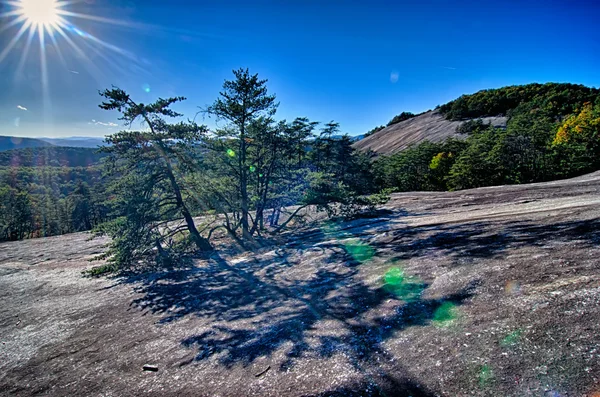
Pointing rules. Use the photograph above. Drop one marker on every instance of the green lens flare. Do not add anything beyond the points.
(511, 339)
(445, 315)
(394, 276)
(252, 168)
(397, 283)
(358, 250)
(485, 375)
(230, 153)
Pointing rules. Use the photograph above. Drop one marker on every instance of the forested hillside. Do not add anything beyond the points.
(47, 201)
(552, 132)
(555, 99)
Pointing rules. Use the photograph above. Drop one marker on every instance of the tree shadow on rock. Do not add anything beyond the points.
(387, 387)
(490, 239)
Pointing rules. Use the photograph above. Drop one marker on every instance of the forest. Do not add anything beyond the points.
(145, 189)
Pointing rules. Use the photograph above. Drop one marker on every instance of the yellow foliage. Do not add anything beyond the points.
(583, 126)
(436, 160)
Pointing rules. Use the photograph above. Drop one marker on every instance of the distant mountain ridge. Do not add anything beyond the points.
(14, 142)
(76, 141)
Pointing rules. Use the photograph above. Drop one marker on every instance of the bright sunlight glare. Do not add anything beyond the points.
(40, 13)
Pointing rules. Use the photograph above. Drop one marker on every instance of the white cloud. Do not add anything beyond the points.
(21, 107)
(109, 124)
(17, 121)
(394, 77)
(74, 71)
(449, 67)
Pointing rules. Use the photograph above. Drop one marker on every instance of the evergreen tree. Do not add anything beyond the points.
(151, 163)
(247, 108)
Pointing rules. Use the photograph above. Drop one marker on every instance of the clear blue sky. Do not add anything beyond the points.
(358, 63)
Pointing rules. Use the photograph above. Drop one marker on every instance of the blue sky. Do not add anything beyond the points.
(358, 63)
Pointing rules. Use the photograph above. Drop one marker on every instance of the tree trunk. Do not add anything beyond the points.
(284, 224)
(202, 243)
(244, 184)
(275, 216)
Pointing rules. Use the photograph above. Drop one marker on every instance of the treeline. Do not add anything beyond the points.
(552, 98)
(395, 120)
(48, 201)
(538, 144)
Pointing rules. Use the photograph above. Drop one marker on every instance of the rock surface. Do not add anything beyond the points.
(484, 292)
(429, 126)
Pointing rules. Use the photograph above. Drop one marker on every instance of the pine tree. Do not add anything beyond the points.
(247, 108)
(151, 163)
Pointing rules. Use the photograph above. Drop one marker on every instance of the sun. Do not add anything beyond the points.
(39, 13)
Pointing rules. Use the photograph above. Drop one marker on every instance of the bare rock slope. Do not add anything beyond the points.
(430, 126)
(484, 292)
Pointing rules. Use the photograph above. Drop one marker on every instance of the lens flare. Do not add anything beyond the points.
(445, 315)
(407, 288)
(511, 339)
(40, 13)
(486, 375)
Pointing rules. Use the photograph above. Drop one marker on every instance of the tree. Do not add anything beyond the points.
(290, 177)
(247, 108)
(151, 163)
(577, 141)
(408, 170)
(80, 207)
(401, 117)
(374, 130)
(16, 216)
(474, 167)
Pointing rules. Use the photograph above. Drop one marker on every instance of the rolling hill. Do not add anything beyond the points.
(431, 126)
(14, 142)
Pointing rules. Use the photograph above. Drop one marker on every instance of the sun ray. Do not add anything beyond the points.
(10, 13)
(49, 22)
(111, 63)
(96, 18)
(14, 41)
(45, 88)
(25, 52)
(57, 47)
(94, 71)
(12, 23)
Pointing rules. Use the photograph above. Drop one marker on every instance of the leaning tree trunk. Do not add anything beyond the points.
(200, 242)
